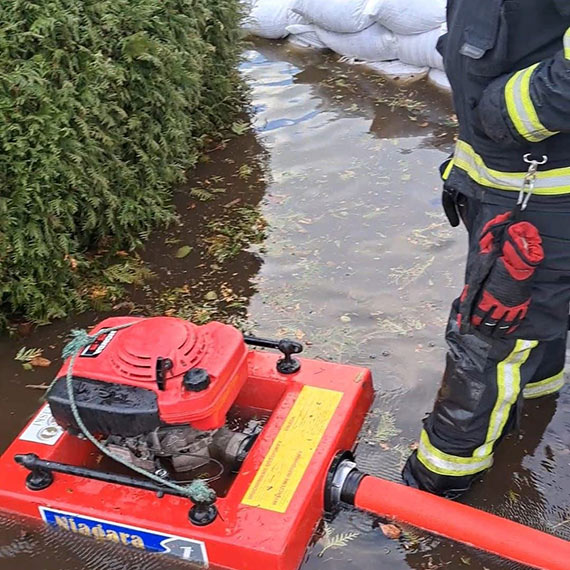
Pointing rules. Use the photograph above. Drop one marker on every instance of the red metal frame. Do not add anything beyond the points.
(243, 537)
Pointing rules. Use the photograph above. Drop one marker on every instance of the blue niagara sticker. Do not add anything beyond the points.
(185, 548)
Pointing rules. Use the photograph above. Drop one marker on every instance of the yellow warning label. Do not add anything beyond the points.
(290, 454)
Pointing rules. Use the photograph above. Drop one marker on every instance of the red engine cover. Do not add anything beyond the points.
(129, 356)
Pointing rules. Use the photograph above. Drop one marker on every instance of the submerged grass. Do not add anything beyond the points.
(386, 429)
(231, 234)
(190, 302)
(331, 540)
(404, 276)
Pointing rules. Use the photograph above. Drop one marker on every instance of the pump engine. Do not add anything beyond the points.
(158, 392)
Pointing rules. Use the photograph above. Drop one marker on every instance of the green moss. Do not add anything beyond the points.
(104, 105)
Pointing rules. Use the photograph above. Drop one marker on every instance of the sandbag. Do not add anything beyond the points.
(343, 16)
(420, 49)
(398, 71)
(269, 18)
(439, 79)
(411, 16)
(305, 36)
(375, 43)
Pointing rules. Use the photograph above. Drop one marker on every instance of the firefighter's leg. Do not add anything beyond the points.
(550, 375)
(484, 379)
(476, 406)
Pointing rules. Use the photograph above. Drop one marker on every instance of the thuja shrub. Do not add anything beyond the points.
(103, 107)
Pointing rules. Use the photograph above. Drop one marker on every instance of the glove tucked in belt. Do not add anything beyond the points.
(498, 293)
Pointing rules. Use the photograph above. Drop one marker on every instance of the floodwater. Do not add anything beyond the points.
(357, 262)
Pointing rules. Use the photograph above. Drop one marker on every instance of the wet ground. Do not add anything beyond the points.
(322, 223)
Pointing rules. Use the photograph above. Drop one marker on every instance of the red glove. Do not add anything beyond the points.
(497, 299)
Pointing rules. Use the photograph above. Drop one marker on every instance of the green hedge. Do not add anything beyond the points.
(103, 106)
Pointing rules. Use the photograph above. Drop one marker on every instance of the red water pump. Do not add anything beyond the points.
(157, 371)
(158, 391)
(175, 402)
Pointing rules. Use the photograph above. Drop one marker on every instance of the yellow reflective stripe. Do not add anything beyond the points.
(508, 389)
(521, 108)
(445, 464)
(447, 170)
(548, 182)
(544, 387)
(567, 44)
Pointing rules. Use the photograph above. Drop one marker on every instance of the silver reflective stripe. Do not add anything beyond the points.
(508, 389)
(544, 387)
(521, 108)
(548, 182)
(451, 468)
(445, 464)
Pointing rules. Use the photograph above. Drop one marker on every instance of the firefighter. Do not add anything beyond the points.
(508, 62)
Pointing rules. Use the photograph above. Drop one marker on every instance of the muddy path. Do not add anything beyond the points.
(322, 223)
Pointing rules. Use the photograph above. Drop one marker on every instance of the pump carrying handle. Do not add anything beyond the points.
(287, 364)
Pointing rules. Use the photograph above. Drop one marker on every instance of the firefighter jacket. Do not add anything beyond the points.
(508, 62)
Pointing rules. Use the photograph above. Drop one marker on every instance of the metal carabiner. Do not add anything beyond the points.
(529, 179)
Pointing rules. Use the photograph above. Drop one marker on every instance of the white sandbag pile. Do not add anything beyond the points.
(305, 36)
(342, 16)
(407, 17)
(269, 18)
(398, 71)
(375, 43)
(420, 49)
(397, 38)
(439, 79)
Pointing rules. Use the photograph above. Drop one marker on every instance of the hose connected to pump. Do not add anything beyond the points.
(470, 526)
(197, 491)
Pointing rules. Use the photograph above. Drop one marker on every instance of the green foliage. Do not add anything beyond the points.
(128, 273)
(103, 106)
(201, 194)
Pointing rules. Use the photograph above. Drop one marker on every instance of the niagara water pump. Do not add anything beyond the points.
(190, 441)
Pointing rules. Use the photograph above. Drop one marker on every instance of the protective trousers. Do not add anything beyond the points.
(486, 380)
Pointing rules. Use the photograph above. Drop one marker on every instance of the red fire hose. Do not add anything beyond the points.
(464, 524)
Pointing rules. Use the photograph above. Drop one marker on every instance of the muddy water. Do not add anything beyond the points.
(358, 263)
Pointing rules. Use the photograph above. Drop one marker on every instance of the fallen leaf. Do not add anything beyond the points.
(424, 125)
(391, 531)
(211, 296)
(345, 319)
(37, 386)
(40, 362)
(183, 251)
